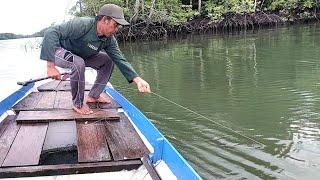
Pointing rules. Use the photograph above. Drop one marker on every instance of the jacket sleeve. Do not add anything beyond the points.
(72, 29)
(112, 49)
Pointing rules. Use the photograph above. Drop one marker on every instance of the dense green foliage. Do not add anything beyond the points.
(179, 12)
(170, 11)
(174, 12)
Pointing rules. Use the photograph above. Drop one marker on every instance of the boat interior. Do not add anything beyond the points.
(43, 136)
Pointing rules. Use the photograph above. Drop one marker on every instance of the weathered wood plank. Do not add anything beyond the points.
(7, 137)
(123, 140)
(49, 86)
(66, 115)
(47, 100)
(91, 142)
(58, 85)
(5, 123)
(63, 100)
(65, 86)
(65, 169)
(29, 102)
(27, 146)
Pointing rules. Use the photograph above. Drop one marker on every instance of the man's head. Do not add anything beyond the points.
(110, 17)
(113, 11)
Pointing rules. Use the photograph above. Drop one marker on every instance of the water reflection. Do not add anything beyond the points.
(262, 85)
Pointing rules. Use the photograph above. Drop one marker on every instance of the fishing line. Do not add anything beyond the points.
(192, 111)
(196, 113)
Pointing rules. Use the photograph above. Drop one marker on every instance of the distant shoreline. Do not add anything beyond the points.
(200, 25)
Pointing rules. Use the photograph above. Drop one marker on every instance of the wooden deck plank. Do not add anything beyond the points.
(64, 169)
(26, 148)
(49, 86)
(63, 100)
(7, 138)
(60, 100)
(91, 142)
(58, 85)
(5, 123)
(65, 115)
(46, 101)
(29, 102)
(123, 140)
(65, 86)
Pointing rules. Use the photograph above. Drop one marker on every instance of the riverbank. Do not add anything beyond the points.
(231, 22)
(202, 25)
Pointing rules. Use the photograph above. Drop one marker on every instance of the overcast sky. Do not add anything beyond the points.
(30, 16)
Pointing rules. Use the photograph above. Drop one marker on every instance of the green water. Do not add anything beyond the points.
(264, 85)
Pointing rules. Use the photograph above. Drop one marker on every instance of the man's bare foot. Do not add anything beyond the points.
(85, 110)
(101, 99)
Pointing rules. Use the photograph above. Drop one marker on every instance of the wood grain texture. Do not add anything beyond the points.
(65, 86)
(91, 142)
(7, 137)
(65, 115)
(49, 86)
(46, 101)
(29, 102)
(26, 147)
(63, 100)
(57, 100)
(123, 140)
(6, 122)
(65, 169)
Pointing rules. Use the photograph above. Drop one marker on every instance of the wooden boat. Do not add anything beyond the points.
(40, 136)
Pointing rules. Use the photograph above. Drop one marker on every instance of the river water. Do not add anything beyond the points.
(236, 106)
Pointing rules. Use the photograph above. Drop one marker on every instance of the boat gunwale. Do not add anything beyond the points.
(13, 98)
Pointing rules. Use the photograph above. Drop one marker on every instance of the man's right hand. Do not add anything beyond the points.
(52, 71)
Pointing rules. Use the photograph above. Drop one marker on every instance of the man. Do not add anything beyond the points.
(78, 44)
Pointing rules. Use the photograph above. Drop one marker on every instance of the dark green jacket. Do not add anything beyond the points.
(79, 36)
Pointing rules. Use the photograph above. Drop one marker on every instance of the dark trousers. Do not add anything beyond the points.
(101, 62)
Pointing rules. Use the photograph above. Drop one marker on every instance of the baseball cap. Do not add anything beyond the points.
(113, 11)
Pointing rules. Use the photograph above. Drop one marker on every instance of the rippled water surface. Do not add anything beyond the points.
(235, 106)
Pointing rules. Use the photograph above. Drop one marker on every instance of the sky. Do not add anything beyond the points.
(30, 16)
